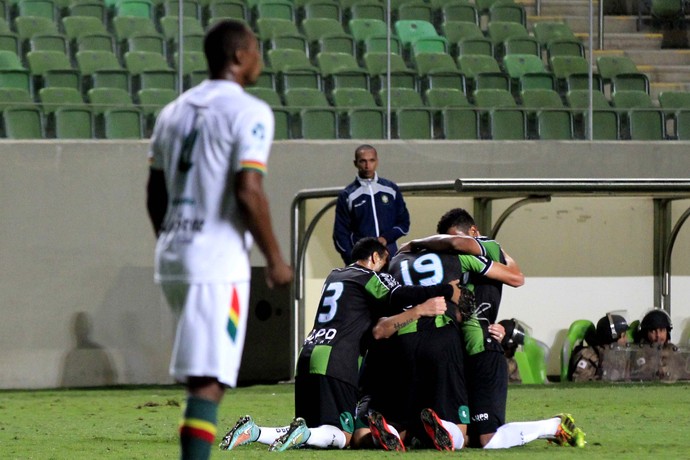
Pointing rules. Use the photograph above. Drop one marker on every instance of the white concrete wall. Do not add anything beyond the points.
(79, 304)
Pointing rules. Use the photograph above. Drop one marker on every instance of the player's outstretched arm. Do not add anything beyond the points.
(510, 275)
(254, 205)
(444, 243)
(388, 326)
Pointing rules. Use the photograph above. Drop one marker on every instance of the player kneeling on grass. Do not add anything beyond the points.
(326, 381)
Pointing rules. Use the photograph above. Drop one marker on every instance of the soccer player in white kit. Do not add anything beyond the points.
(206, 201)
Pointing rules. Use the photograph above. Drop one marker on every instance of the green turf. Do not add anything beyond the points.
(621, 421)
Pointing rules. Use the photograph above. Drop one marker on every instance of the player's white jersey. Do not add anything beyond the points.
(201, 141)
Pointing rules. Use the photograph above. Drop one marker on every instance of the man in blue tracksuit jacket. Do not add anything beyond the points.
(369, 206)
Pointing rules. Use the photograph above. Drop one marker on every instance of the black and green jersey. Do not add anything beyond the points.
(488, 292)
(351, 300)
(430, 268)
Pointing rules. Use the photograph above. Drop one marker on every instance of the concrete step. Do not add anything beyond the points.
(656, 88)
(627, 40)
(612, 24)
(568, 8)
(658, 57)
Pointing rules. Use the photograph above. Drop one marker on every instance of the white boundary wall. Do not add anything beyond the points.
(80, 308)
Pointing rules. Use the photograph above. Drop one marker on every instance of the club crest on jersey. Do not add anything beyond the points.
(259, 131)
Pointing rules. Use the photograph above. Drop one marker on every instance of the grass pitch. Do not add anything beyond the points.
(630, 421)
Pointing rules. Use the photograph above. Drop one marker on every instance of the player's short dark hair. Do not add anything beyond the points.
(456, 217)
(364, 248)
(363, 148)
(221, 42)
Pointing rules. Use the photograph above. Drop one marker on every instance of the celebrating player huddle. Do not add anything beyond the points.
(410, 358)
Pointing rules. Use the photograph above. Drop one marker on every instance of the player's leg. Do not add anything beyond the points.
(326, 404)
(246, 431)
(206, 354)
(560, 429)
(440, 388)
(487, 380)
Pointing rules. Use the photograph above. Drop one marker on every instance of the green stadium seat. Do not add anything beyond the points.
(508, 12)
(483, 72)
(296, 42)
(270, 96)
(446, 97)
(314, 117)
(473, 46)
(102, 99)
(377, 66)
(52, 68)
(151, 102)
(294, 69)
(605, 120)
(531, 361)
(37, 8)
(278, 9)
(94, 9)
(28, 26)
(77, 26)
(10, 97)
(102, 69)
(194, 67)
(522, 45)
(9, 41)
(154, 43)
(317, 28)
(320, 9)
(122, 124)
(149, 70)
(580, 331)
(227, 9)
(72, 123)
(564, 47)
(454, 31)
(341, 70)
(49, 42)
(621, 73)
(22, 123)
(411, 119)
(127, 26)
(682, 125)
(522, 66)
(459, 11)
(267, 28)
(371, 9)
(15, 78)
(415, 11)
(500, 114)
(500, 31)
(459, 123)
(546, 31)
(550, 119)
(170, 27)
(134, 8)
(190, 8)
(53, 98)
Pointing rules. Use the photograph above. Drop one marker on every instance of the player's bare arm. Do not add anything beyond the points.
(511, 276)
(388, 326)
(156, 199)
(254, 204)
(444, 243)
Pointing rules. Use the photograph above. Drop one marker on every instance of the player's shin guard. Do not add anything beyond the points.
(198, 428)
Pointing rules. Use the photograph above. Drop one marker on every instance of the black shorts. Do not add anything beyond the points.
(487, 385)
(322, 400)
(435, 378)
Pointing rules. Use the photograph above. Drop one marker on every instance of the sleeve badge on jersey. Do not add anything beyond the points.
(259, 131)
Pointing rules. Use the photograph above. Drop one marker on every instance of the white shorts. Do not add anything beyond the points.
(211, 329)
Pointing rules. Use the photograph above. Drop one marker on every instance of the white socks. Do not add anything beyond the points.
(520, 433)
(269, 434)
(454, 430)
(326, 436)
